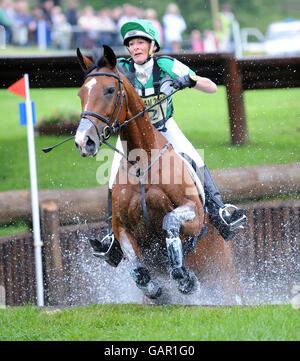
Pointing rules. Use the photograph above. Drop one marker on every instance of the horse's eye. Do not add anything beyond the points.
(110, 90)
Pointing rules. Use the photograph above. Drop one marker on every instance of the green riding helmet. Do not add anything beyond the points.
(140, 28)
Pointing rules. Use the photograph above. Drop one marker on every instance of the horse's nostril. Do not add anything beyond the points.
(90, 143)
(90, 146)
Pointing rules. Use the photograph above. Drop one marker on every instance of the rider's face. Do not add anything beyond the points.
(139, 50)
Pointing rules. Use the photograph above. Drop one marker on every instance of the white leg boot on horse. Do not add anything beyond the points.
(186, 279)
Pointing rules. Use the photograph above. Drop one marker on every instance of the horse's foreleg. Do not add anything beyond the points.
(138, 271)
(172, 222)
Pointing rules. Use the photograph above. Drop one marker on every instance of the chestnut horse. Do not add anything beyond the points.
(157, 213)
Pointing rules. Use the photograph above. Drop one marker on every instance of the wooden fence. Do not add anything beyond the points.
(17, 270)
(224, 69)
(267, 257)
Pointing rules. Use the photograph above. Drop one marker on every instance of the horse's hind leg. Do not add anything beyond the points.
(186, 280)
(138, 271)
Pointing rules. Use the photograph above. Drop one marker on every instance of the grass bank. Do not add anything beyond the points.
(143, 323)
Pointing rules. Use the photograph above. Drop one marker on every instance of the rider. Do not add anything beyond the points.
(153, 78)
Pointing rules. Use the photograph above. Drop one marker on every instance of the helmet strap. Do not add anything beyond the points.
(151, 50)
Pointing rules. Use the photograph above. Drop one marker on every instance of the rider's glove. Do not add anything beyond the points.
(187, 81)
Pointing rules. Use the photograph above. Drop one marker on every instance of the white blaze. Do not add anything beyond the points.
(85, 125)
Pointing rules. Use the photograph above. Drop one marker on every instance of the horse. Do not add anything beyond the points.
(157, 213)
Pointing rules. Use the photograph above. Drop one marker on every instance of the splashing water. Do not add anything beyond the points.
(90, 280)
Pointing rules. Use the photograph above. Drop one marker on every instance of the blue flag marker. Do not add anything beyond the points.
(22, 111)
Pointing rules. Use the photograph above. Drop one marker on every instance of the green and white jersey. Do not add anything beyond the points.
(164, 70)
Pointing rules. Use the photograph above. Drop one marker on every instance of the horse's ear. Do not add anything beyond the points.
(110, 56)
(84, 61)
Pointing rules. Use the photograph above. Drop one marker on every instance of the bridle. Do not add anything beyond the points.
(121, 97)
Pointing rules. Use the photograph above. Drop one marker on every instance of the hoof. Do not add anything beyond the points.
(186, 281)
(151, 290)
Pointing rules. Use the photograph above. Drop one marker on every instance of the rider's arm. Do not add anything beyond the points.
(205, 85)
(178, 70)
(194, 81)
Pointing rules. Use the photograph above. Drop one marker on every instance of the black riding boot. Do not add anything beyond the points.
(227, 218)
(108, 248)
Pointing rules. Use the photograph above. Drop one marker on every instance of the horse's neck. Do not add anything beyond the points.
(140, 133)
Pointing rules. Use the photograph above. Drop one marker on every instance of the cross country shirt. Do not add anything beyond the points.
(152, 81)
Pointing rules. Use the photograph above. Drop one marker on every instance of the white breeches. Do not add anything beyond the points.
(180, 144)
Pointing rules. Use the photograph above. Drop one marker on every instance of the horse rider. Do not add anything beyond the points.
(154, 77)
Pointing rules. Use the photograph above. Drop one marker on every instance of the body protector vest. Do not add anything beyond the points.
(158, 86)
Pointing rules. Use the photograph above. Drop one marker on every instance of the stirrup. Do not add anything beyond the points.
(108, 249)
(238, 217)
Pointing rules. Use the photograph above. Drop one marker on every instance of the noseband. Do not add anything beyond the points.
(109, 129)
